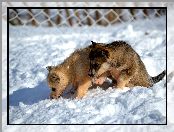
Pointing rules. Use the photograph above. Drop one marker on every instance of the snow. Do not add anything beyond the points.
(31, 52)
(32, 49)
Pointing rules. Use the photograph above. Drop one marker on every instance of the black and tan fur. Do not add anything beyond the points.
(123, 64)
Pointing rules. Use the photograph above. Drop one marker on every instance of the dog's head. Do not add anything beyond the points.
(97, 56)
(56, 81)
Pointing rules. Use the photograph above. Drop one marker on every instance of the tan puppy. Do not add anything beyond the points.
(74, 70)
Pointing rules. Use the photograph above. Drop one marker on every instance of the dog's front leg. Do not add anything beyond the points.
(82, 89)
(104, 68)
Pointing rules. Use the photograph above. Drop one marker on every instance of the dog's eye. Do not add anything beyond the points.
(96, 65)
(55, 78)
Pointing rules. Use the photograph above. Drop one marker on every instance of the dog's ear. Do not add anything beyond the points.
(49, 68)
(93, 44)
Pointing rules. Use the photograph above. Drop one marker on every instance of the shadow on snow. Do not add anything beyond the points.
(30, 96)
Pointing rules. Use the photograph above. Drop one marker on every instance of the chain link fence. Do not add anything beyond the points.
(79, 17)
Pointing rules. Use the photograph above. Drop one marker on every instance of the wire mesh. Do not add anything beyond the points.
(79, 17)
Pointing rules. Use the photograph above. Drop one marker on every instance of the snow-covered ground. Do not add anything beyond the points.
(32, 49)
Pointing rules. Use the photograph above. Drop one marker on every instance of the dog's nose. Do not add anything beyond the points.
(53, 89)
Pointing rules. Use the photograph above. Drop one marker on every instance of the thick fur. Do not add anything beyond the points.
(74, 70)
(123, 63)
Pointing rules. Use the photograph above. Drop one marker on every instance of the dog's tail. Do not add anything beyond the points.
(159, 77)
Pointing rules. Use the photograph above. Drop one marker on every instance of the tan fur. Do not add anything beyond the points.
(123, 63)
(74, 70)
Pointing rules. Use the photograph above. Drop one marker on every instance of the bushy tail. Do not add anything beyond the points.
(159, 77)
